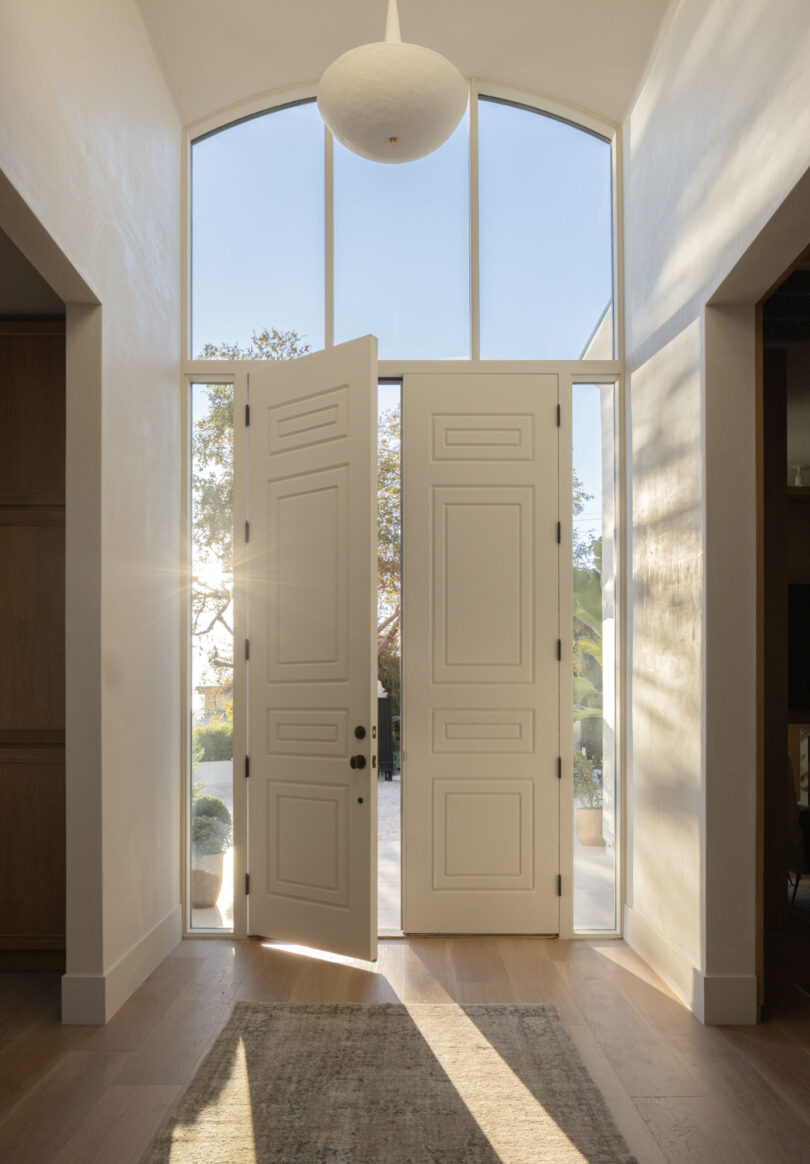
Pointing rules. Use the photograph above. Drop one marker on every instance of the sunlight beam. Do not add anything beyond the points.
(516, 1124)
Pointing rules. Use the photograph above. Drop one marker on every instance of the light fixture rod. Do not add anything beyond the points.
(392, 33)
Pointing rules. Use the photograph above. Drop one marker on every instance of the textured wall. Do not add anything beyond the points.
(717, 137)
(91, 141)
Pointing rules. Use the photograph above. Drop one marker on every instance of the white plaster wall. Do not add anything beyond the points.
(91, 141)
(718, 135)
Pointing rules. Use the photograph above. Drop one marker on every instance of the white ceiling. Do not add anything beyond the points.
(590, 53)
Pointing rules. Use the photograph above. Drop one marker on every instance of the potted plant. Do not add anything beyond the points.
(588, 792)
(210, 838)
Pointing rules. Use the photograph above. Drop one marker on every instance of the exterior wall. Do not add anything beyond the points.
(90, 141)
(714, 142)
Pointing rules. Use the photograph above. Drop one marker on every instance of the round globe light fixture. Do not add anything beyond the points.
(389, 101)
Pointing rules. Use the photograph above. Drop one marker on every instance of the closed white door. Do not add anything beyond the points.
(311, 619)
(480, 657)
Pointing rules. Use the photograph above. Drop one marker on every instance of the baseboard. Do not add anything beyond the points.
(730, 999)
(94, 998)
(716, 1000)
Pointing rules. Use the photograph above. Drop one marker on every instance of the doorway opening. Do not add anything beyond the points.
(389, 657)
(785, 323)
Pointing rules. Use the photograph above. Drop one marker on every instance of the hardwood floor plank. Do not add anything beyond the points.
(121, 1126)
(42, 1123)
(690, 1130)
(535, 979)
(642, 1060)
(665, 1013)
(170, 1054)
(769, 1126)
(781, 1062)
(629, 1121)
(29, 1057)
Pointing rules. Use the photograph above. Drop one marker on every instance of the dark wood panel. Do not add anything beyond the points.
(32, 515)
(32, 851)
(32, 417)
(32, 627)
(31, 741)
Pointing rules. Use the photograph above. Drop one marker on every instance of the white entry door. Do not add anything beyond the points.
(312, 671)
(480, 657)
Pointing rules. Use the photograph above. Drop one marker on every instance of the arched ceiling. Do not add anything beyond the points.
(590, 53)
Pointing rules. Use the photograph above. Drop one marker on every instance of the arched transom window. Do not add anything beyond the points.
(497, 246)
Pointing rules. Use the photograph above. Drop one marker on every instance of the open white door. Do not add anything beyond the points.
(312, 672)
(480, 663)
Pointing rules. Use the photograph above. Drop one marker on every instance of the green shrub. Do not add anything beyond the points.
(210, 825)
(213, 741)
(211, 806)
(209, 835)
(587, 781)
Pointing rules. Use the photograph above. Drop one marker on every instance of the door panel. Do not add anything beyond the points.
(311, 626)
(480, 669)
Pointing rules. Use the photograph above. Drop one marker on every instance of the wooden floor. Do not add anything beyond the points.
(679, 1092)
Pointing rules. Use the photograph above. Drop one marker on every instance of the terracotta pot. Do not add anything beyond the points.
(588, 826)
(206, 880)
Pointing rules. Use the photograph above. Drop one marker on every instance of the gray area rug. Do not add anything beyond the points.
(391, 1084)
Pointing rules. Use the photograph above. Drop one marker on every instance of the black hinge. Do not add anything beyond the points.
(247, 884)
(559, 767)
(247, 767)
(559, 884)
(559, 532)
(247, 414)
(247, 531)
(559, 416)
(559, 650)
(247, 648)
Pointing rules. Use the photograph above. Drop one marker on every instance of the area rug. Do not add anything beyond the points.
(391, 1084)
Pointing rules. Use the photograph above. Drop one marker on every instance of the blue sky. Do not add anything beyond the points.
(402, 244)
(402, 238)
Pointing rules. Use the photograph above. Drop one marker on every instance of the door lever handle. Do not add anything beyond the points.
(357, 762)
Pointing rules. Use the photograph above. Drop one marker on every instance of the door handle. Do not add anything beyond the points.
(357, 762)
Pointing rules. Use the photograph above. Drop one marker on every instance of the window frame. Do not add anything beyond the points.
(570, 372)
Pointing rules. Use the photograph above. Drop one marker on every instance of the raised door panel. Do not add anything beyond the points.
(481, 676)
(311, 605)
(32, 620)
(32, 414)
(32, 848)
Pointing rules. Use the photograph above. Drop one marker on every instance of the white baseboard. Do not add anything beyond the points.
(716, 1000)
(94, 998)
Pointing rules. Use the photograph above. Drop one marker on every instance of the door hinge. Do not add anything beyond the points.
(247, 648)
(559, 767)
(247, 531)
(247, 885)
(559, 532)
(559, 884)
(559, 650)
(559, 416)
(247, 767)
(247, 415)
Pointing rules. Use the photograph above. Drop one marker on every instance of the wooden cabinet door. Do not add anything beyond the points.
(32, 643)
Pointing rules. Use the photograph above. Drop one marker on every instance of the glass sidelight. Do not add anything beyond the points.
(594, 652)
(211, 726)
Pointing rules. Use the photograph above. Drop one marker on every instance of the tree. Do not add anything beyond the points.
(389, 533)
(587, 564)
(212, 492)
(212, 530)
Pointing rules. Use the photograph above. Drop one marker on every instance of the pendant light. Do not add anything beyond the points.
(389, 101)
